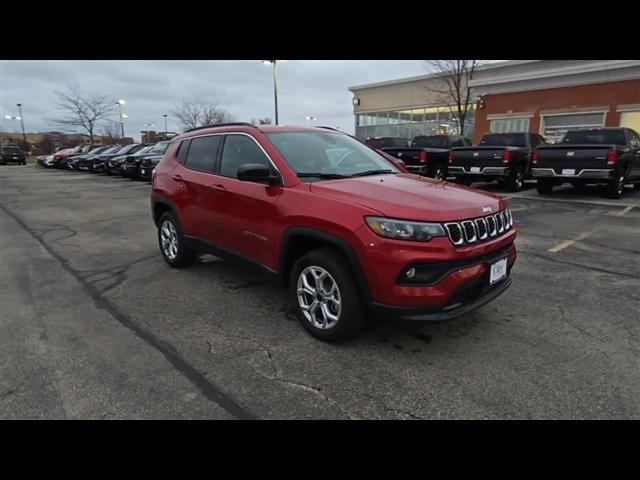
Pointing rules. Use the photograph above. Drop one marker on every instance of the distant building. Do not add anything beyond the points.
(150, 136)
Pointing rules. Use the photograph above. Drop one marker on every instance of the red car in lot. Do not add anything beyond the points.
(347, 232)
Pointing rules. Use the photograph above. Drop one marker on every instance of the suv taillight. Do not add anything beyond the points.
(450, 156)
(506, 156)
(535, 158)
(423, 157)
(612, 157)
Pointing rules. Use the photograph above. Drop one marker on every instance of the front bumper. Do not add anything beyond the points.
(484, 171)
(485, 296)
(585, 173)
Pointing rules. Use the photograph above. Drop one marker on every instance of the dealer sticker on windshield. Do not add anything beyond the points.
(498, 271)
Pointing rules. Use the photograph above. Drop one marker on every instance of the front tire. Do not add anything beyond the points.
(544, 187)
(172, 243)
(326, 296)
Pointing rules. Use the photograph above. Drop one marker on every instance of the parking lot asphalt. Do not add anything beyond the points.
(96, 325)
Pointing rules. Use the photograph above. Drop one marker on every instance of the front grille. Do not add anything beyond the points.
(478, 229)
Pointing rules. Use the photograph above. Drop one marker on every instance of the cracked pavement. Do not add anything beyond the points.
(95, 325)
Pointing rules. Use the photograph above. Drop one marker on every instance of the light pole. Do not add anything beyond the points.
(24, 135)
(120, 103)
(311, 119)
(273, 63)
(165, 124)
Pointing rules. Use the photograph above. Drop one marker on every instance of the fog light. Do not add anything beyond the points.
(411, 273)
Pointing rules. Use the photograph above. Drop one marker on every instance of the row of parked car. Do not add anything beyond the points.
(134, 161)
(605, 156)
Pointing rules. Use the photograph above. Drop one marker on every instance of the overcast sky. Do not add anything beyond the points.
(151, 88)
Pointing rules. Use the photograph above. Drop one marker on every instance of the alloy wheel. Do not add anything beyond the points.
(169, 239)
(319, 297)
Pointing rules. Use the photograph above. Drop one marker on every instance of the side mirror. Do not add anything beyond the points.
(257, 172)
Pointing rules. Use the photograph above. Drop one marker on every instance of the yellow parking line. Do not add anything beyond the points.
(568, 243)
(627, 208)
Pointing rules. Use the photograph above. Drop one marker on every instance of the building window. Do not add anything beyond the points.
(513, 124)
(630, 120)
(553, 127)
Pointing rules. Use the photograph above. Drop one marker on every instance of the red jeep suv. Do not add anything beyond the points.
(349, 233)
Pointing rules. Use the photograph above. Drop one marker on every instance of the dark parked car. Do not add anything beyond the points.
(337, 223)
(85, 162)
(69, 161)
(505, 157)
(73, 161)
(116, 165)
(12, 154)
(387, 142)
(608, 156)
(428, 154)
(132, 164)
(98, 165)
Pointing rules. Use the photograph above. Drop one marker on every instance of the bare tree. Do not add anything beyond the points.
(198, 112)
(453, 87)
(83, 109)
(111, 130)
(262, 121)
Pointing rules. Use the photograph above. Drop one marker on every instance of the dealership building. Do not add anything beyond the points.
(543, 96)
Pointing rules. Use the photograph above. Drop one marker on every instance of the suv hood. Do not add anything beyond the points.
(411, 197)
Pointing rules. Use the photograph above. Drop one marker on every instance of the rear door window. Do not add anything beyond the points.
(202, 153)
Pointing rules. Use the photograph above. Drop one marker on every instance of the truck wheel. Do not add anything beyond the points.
(438, 173)
(172, 245)
(544, 187)
(326, 296)
(615, 188)
(516, 181)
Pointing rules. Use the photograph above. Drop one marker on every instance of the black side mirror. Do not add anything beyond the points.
(257, 172)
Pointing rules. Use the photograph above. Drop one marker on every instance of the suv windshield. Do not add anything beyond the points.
(595, 137)
(11, 149)
(505, 140)
(435, 141)
(328, 155)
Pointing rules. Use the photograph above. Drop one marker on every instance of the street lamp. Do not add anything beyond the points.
(311, 119)
(120, 103)
(275, 83)
(24, 136)
(165, 122)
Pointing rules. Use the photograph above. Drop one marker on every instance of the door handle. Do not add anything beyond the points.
(218, 188)
(177, 177)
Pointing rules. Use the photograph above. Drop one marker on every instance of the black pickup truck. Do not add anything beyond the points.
(384, 142)
(609, 156)
(505, 157)
(428, 154)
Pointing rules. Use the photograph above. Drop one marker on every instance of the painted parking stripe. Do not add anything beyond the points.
(628, 208)
(568, 243)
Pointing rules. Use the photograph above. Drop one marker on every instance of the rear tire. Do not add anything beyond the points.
(544, 187)
(322, 282)
(172, 243)
(516, 181)
(615, 188)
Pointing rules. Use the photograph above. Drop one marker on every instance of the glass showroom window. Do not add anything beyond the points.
(631, 120)
(555, 126)
(513, 124)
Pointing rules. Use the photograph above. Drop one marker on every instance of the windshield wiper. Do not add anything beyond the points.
(321, 175)
(371, 172)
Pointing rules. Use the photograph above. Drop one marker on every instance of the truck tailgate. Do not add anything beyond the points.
(573, 157)
(477, 157)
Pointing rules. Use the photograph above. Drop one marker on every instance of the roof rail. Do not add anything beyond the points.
(329, 128)
(231, 124)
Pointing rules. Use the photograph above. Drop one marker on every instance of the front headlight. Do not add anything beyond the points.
(404, 230)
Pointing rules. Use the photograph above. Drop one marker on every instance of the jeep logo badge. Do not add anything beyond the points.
(487, 209)
(570, 154)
